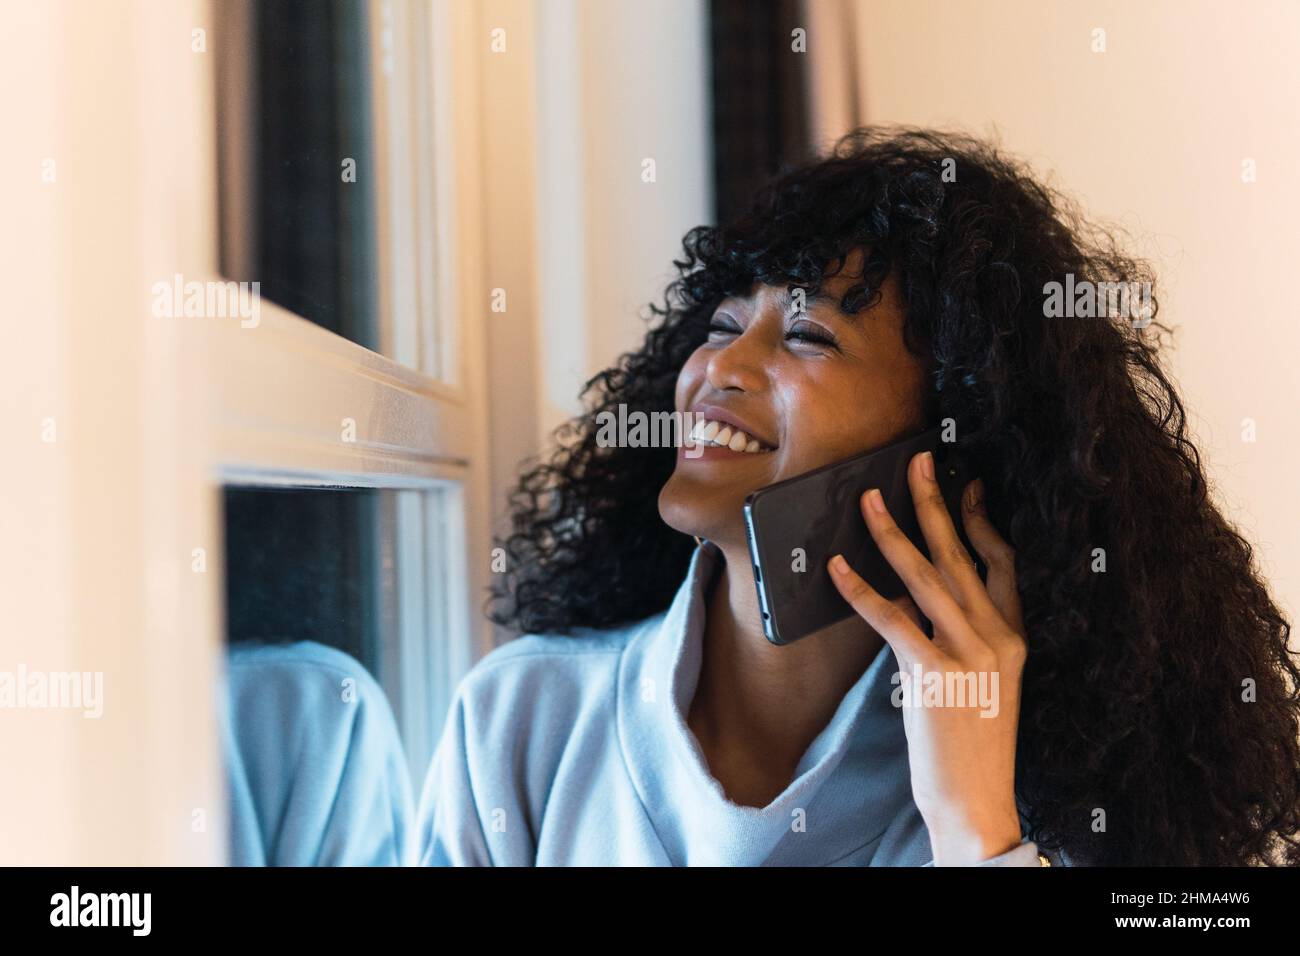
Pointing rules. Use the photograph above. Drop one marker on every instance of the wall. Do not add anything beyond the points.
(583, 93)
(1151, 134)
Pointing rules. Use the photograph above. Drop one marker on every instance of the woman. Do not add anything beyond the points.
(1147, 698)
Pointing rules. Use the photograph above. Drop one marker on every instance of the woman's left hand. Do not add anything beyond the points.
(962, 757)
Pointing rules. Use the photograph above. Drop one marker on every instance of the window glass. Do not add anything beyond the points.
(298, 192)
(316, 769)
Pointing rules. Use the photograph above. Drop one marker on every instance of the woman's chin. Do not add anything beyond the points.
(710, 513)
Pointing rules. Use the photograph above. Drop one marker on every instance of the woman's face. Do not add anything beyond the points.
(811, 388)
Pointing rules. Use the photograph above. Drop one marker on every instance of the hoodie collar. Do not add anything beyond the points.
(848, 788)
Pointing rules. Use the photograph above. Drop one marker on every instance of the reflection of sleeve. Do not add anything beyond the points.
(450, 829)
(316, 769)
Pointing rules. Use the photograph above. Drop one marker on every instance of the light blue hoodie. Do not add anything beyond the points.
(315, 766)
(563, 751)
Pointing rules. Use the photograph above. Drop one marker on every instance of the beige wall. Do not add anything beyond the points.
(104, 497)
(1151, 134)
(585, 93)
(619, 82)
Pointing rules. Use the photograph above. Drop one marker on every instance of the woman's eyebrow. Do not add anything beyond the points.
(785, 299)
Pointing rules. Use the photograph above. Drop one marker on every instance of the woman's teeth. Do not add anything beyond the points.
(707, 432)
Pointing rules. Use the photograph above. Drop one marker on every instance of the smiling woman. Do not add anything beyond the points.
(644, 678)
(822, 384)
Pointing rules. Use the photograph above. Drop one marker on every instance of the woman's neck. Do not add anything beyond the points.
(757, 706)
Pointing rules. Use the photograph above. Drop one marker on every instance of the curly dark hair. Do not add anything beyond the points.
(1132, 698)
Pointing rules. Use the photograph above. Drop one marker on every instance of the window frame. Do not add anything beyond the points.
(277, 395)
(274, 397)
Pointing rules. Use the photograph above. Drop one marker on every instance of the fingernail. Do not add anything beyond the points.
(927, 465)
(839, 565)
(974, 495)
(876, 500)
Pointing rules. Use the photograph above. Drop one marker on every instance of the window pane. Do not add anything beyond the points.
(298, 180)
(300, 566)
(317, 771)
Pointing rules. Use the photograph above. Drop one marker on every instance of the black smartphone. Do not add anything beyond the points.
(796, 526)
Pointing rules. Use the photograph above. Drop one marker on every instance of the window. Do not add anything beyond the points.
(300, 132)
(359, 570)
(348, 419)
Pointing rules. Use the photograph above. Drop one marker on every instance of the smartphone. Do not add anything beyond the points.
(795, 527)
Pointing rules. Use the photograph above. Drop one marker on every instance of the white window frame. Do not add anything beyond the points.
(285, 390)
